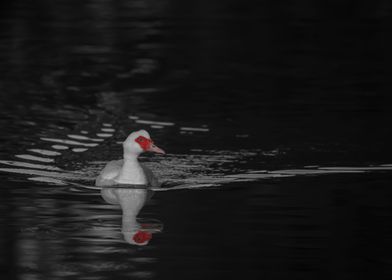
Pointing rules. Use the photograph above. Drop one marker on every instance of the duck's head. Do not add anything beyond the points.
(139, 142)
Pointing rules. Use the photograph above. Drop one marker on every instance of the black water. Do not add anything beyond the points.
(284, 174)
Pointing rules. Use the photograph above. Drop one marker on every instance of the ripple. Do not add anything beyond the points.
(48, 180)
(216, 180)
(79, 150)
(185, 187)
(157, 126)
(28, 165)
(214, 169)
(201, 129)
(107, 129)
(154, 122)
(45, 152)
(60, 147)
(69, 142)
(312, 171)
(35, 158)
(60, 175)
(205, 169)
(259, 175)
(358, 168)
(82, 137)
(105, 135)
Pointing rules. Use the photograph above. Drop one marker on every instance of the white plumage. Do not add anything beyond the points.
(129, 170)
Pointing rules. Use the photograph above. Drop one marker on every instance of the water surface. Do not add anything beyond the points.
(275, 120)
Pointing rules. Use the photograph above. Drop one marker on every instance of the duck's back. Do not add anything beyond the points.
(107, 175)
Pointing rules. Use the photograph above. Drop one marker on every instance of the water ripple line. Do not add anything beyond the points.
(69, 142)
(34, 158)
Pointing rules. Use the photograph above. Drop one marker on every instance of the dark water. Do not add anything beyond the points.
(276, 120)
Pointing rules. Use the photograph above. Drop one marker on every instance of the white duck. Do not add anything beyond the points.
(129, 170)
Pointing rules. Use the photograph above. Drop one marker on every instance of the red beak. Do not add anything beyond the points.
(155, 149)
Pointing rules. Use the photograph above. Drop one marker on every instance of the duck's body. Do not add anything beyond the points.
(128, 170)
(116, 173)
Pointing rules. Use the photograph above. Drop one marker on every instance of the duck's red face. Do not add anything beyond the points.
(148, 146)
(142, 237)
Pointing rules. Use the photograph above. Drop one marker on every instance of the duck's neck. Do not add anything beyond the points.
(131, 172)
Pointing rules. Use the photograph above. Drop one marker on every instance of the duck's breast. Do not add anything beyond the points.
(107, 175)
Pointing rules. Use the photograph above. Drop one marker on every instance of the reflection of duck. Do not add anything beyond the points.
(131, 201)
(129, 170)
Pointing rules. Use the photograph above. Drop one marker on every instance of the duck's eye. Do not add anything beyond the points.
(141, 139)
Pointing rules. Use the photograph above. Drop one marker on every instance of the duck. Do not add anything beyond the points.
(128, 170)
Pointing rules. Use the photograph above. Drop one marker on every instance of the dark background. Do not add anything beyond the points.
(322, 66)
(310, 79)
